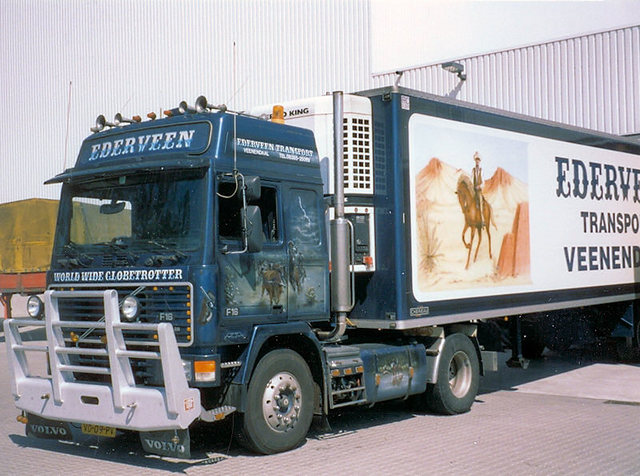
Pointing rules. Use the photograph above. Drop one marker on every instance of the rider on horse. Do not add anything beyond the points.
(477, 185)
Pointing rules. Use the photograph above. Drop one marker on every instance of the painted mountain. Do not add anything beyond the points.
(504, 192)
(435, 183)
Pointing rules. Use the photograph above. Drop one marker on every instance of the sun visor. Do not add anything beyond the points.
(153, 165)
(139, 148)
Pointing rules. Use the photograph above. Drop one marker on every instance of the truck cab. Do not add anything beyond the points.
(160, 212)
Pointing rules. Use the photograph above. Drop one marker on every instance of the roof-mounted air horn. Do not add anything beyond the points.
(120, 119)
(202, 105)
(184, 108)
(101, 123)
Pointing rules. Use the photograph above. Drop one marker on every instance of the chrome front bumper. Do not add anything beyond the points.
(122, 403)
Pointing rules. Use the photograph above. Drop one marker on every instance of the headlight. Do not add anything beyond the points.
(186, 366)
(35, 307)
(129, 308)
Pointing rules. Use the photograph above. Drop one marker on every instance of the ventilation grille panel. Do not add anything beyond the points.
(358, 155)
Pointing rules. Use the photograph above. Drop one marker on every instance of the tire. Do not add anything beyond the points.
(458, 377)
(279, 404)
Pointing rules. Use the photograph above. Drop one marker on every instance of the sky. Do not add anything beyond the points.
(407, 33)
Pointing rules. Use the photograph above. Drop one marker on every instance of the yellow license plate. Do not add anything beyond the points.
(98, 430)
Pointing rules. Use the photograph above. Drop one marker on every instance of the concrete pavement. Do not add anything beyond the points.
(564, 415)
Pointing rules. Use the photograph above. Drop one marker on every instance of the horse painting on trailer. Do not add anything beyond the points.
(477, 217)
(453, 206)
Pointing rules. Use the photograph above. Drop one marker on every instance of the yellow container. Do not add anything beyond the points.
(27, 229)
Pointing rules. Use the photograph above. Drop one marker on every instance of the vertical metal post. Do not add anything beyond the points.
(517, 359)
(338, 152)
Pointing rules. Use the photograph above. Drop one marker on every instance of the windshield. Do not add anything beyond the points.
(133, 220)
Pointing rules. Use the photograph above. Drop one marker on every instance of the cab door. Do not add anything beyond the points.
(254, 286)
(307, 262)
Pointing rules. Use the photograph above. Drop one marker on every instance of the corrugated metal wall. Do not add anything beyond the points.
(136, 56)
(592, 81)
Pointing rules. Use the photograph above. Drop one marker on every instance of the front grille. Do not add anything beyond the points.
(167, 303)
(117, 260)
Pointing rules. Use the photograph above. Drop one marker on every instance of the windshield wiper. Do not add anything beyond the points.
(75, 258)
(119, 245)
(173, 258)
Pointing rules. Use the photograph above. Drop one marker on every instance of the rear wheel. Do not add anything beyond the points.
(279, 404)
(458, 377)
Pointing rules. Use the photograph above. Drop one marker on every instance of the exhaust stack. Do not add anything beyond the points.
(341, 286)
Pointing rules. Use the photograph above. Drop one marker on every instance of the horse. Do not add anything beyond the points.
(472, 217)
(273, 282)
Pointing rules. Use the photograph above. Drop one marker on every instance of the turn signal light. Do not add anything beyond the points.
(368, 261)
(205, 370)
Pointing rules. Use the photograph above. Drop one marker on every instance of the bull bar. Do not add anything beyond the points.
(123, 404)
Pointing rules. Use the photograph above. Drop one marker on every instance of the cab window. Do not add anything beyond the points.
(230, 216)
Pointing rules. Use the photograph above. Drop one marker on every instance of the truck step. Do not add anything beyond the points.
(348, 390)
(352, 402)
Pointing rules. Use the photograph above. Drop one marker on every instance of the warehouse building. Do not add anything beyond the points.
(73, 62)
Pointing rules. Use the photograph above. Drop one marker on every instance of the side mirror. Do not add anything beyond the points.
(252, 188)
(255, 236)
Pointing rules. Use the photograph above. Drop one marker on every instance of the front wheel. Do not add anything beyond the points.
(458, 377)
(279, 404)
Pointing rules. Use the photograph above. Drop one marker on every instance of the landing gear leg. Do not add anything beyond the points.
(517, 359)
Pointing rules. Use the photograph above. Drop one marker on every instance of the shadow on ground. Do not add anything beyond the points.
(550, 364)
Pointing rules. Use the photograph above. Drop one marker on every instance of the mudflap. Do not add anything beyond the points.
(38, 427)
(174, 443)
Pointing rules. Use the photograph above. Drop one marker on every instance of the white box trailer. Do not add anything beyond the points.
(560, 210)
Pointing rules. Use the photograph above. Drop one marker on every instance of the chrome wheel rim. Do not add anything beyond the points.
(281, 402)
(460, 374)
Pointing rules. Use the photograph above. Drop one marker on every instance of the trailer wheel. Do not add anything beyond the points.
(458, 377)
(279, 404)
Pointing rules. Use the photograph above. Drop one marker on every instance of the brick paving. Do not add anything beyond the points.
(507, 431)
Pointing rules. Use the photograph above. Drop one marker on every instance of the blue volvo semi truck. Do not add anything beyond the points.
(213, 264)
